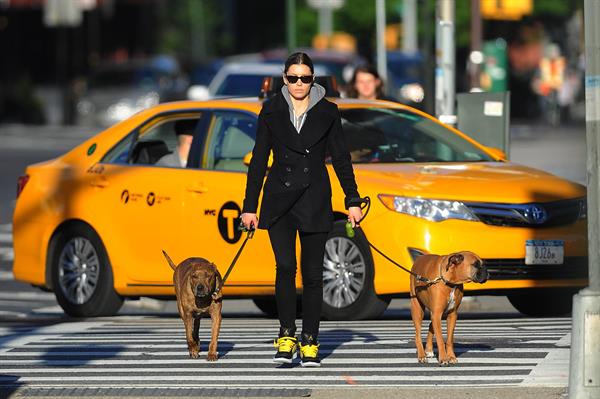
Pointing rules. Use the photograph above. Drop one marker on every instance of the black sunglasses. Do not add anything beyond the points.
(305, 79)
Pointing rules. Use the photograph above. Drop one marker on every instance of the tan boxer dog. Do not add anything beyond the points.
(198, 286)
(442, 295)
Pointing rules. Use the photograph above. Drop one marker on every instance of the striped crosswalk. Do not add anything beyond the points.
(147, 351)
(6, 250)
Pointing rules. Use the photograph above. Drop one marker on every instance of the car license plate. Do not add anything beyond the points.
(544, 252)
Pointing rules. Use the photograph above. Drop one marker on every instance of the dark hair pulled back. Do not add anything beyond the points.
(299, 59)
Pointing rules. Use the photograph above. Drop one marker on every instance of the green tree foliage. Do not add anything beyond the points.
(176, 19)
(356, 17)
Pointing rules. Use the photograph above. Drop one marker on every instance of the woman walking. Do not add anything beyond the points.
(299, 125)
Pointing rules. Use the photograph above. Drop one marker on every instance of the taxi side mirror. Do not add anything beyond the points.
(248, 157)
(496, 152)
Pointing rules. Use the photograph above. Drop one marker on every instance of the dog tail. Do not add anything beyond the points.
(173, 265)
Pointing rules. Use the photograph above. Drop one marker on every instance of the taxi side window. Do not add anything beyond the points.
(164, 144)
(156, 145)
(231, 137)
(120, 152)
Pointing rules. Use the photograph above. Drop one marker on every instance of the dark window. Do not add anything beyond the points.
(240, 85)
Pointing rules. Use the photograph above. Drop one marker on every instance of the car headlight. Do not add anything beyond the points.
(119, 111)
(148, 100)
(413, 92)
(429, 209)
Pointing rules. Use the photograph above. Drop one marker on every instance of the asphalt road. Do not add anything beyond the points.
(502, 354)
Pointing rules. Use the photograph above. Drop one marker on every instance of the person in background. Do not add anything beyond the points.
(367, 85)
(184, 129)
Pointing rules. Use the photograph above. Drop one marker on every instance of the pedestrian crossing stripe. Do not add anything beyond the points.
(146, 351)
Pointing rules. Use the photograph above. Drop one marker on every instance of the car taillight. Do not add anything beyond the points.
(21, 182)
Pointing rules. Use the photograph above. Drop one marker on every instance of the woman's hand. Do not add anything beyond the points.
(354, 215)
(249, 219)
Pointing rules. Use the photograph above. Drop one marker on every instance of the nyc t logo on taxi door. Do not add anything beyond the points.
(228, 215)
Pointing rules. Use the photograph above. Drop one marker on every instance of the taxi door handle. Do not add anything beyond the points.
(100, 182)
(197, 188)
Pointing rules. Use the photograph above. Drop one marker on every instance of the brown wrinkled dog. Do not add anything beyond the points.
(198, 289)
(442, 295)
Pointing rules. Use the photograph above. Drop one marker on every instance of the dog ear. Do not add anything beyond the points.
(455, 259)
(218, 284)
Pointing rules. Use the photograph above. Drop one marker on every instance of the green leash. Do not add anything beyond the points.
(350, 234)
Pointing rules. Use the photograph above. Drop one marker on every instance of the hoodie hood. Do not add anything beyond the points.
(317, 92)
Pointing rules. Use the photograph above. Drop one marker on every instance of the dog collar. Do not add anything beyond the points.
(448, 283)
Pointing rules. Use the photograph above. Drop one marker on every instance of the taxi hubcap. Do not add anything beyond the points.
(343, 273)
(78, 267)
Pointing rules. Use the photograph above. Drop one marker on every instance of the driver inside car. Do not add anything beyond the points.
(184, 129)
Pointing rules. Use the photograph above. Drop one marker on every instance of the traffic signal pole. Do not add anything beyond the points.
(584, 369)
(445, 57)
(380, 33)
(290, 12)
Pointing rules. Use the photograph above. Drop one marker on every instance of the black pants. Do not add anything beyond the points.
(283, 240)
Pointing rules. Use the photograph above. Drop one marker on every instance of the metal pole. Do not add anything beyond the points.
(428, 16)
(326, 20)
(380, 33)
(409, 26)
(291, 25)
(445, 52)
(592, 80)
(476, 57)
(584, 368)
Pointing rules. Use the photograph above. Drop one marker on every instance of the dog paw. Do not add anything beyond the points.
(452, 360)
(212, 357)
(444, 363)
(422, 360)
(194, 354)
(429, 355)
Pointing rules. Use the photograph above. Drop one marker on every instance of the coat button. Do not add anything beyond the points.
(287, 184)
(305, 170)
(306, 150)
(285, 155)
(287, 168)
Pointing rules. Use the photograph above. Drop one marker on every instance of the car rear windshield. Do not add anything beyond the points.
(240, 85)
(395, 136)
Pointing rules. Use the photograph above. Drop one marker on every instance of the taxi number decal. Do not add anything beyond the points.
(228, 215)
(96, 169)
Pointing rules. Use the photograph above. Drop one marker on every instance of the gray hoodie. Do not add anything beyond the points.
(317, 92)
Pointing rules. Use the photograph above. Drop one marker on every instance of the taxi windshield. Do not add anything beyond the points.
(396, 136)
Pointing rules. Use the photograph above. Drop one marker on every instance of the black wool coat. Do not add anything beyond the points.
(298, 181)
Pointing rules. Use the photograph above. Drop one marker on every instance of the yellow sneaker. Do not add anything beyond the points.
(286, 349)
(309, 351)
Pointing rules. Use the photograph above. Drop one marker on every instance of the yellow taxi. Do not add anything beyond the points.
(91, 224)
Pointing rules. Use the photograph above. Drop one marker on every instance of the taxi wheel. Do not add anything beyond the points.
(543, 302)
(81, 274)
(348, 272)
